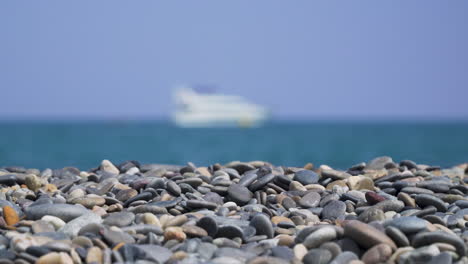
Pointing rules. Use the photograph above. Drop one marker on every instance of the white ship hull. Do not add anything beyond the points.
(218, 120)
(214, 110)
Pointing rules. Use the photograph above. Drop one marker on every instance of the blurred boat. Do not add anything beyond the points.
(209, 109)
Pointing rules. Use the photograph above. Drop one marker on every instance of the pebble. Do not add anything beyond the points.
(229, 231)
(53, 220)
(73, 227)
(239, 194)
(317, 256)
(306, 177)
(119, 219)
(428, 238)
(377, 254)
(371, 214)
(366, 235)
(66, 212)
(94, 255)
(344, 258)
(397, 236)
(262, 225)
(173, 188)
(261, 182)
(334, 210)
(8, 180)
(194, 231)
(312, 199)
(10, 215)
(33, 182)
(408, 224)
(197, 204)
(320, 236)
(209, 225)
(55, 258)
(424, 200)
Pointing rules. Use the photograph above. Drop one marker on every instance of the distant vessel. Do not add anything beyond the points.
(208, 109)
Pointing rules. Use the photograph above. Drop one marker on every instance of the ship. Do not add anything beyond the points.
(206, 108)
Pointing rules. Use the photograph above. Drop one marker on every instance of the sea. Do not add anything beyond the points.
(339, 144)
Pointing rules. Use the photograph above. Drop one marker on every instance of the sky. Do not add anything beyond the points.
(302, 59)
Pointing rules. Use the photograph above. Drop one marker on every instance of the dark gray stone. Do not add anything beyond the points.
(119, 219)
(66, 212)
(397, 236)
(247, 179)
(173, 188)
(261, 182)
(317, 256)
(371, 214)
(306, 177)
(155, 253)
(9, 179)
(408, 224)
(197, 204)
(334, 210)
(344, 258)
(424, 200)
(309, 200)
(428, 238)
(239, 194)
(282, 252)
(262, 225)
(230, 231)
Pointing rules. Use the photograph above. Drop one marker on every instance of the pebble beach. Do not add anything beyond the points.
(379, 211)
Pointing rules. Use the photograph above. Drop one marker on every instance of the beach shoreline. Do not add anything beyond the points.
(240, 212)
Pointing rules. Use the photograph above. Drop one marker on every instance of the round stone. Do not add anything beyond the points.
(408, 224)
(119, 219)
(194, 231)
(344, 258)
(262, 225)
(54, 257)
(230, 231)
(427, 238)
(124, 195)
(390, 205)
(73, 227)
(371, 214)
(424, 200)
(320, 236)
(197, 204)
(306, 177)
(209, 224)
(317, 256)
(377, 254)
(239, 194)
(373, 198)
(33, 182)
(312, 199)
(360, 183)
(282, 252)
(89, 201)
(66, 212)
(173, 188)
(334, 210)
(366, 235)
(288, 203)
(94, 255)
(397, 236)
(406, 199)
(261, 182)
(10, 215)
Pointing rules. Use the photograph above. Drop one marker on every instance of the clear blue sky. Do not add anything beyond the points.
(301, 58)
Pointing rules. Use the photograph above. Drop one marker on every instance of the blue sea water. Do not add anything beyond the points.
(54, 144)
